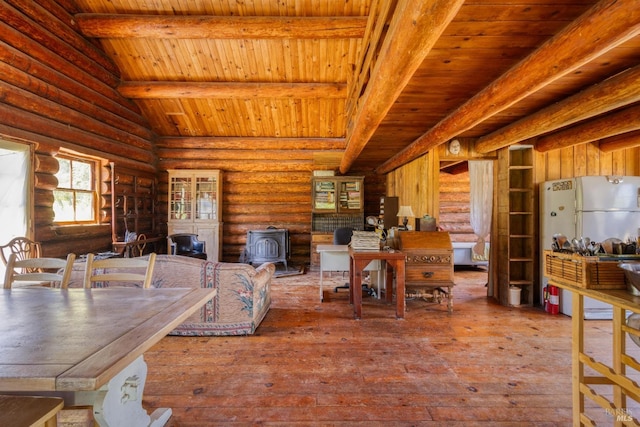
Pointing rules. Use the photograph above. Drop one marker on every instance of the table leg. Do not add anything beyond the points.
(355, 287)
(382, 277)
(400, 289)
(389, 268)
(321, 277)
(351, 279)
(119, 402)
(577, 348)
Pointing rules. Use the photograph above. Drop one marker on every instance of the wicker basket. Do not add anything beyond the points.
(587, 272)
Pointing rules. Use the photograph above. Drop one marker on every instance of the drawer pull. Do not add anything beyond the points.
(427, 274)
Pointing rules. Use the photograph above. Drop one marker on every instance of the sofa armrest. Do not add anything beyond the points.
(264, 273)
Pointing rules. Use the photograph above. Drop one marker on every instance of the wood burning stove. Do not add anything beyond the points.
(270, 245)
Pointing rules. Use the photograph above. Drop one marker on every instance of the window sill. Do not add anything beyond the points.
(79, 229)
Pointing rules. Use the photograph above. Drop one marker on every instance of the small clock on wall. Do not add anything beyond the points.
(454, 147)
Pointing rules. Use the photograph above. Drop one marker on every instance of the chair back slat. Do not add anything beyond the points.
(38, 270)
(23, 247)
(107, 270)
(138, 249)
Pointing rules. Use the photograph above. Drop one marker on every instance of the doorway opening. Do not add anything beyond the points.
(455, 218)
(15, 197)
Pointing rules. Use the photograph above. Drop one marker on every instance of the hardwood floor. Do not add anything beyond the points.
(311, 364)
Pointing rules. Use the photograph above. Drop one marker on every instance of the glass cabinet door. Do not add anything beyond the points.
(206, 198)
(181, 198)
(324, 195)
(350, 196)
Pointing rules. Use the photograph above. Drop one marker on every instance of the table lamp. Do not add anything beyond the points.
(405, 212)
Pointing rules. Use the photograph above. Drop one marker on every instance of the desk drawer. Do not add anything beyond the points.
(427, 266)
(428, 273)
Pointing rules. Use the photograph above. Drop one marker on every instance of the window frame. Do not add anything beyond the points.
(94, 191)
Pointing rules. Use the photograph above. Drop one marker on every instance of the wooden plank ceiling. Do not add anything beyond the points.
(373, 84)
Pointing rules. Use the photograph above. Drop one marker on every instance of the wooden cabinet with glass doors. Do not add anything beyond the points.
(338, 195)
(337, 201)
(195, 207)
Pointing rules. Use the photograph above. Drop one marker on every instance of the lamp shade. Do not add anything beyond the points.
(405, 211)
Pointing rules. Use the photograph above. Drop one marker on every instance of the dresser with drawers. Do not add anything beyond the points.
(429, 265)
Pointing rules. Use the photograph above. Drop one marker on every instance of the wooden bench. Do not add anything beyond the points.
(31, 411)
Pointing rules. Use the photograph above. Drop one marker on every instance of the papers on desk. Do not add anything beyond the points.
(365, 241)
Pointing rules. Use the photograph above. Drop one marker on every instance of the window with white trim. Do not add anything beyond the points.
(75, 198)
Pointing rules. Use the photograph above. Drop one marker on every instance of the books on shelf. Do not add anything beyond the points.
(351, 186)
(325, 186)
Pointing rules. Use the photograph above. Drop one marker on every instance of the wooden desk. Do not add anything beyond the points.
(615, 375)
(332, 258)
(86, 340)
(429, 263)
(394, 261)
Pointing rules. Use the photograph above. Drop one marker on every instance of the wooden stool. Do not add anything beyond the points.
(31, 411)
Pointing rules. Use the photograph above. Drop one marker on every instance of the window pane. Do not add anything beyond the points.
(63, 205)
(64, 173)
(81, 172)
(84, 206)
(75, 198)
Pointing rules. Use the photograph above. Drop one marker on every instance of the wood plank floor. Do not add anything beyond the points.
(311, 364)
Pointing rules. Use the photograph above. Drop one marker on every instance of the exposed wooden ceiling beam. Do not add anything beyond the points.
(220, 27)
(618, 91)
(415, 27)
(160, 90)
(604, 26)
(255, 143)
(616, 123)
(379, 16)
(620, 142)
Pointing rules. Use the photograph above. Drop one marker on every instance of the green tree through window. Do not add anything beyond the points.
(75, 198)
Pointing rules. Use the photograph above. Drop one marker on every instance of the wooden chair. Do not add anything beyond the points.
(141, 244)
(21, 246)
(29, 410)
(342, 236)
(40, 270)
(107, 270)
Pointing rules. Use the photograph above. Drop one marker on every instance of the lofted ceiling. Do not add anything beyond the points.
(376, 84)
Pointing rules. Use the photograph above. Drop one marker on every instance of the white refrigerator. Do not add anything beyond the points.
(598, 207)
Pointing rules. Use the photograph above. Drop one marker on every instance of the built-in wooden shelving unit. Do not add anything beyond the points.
(516, 223)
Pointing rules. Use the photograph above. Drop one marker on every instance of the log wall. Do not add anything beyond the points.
(262, 188)
(58, 91)
(455, 206)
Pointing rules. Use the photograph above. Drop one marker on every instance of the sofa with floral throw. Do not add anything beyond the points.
(243, 299)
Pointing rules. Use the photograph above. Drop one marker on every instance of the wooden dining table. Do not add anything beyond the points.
(87, 345)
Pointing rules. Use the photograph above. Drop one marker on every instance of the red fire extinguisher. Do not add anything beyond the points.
(551, 299)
